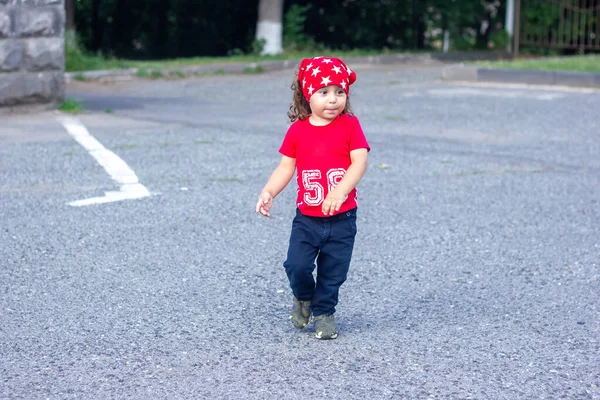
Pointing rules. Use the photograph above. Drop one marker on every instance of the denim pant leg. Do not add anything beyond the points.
(333, 262)
(302, 252)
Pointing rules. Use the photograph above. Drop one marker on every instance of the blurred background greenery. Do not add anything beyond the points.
(103, 33)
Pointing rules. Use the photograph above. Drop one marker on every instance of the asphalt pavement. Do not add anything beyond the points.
(475, 272)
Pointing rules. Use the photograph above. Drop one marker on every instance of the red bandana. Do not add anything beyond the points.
(316, 73)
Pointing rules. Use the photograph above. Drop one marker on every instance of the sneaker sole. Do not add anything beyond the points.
(320, 336)
(298, 326)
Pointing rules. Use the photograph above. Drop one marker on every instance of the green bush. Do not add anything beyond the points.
(464, 41)
(76, 58)
(294, 37)
(142, 73)
(70, 106)
(500, 39)
(258, 46)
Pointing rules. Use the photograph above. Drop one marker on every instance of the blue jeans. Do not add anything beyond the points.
(329, 241)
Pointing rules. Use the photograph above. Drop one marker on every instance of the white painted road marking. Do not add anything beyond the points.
(117, 169)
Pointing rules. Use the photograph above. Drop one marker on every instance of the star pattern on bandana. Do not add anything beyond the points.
(326, 81)
(327, 61)
(337, 70)
(343, 85)
(316, 71)
(310, 90)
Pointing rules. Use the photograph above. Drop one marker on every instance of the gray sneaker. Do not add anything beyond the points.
(325, 327)
(300, 314)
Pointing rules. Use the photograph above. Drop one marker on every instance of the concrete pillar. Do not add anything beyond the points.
(32, 57)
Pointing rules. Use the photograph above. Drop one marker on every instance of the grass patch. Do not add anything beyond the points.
(254, 70)
(574, 63)
(109, 111)
(77, 59)
(392, 118)
(155, 74)
(202, 142)
(149, 73)
(176, 74)
(70, 106)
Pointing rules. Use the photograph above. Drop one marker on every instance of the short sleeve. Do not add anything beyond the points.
(288, 147)
(357, 136)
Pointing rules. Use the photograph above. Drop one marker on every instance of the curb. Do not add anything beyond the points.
(466, 73)
(267, 66)
(28, 108)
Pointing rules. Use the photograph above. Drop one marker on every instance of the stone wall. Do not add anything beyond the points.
(32, 61)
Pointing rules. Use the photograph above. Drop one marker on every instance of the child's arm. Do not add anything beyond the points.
(337, 196)
(277, 182)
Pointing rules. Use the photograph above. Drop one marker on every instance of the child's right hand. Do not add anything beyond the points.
(265, 201)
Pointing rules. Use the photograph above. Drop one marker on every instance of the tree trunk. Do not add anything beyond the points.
(70, 14)
(269, 27)
(96, 26)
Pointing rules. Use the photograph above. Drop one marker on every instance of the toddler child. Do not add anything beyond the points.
(327, 148)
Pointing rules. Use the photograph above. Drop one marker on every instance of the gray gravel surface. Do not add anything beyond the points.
(475, 274)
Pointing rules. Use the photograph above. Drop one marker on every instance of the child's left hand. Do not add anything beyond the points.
(333, 202)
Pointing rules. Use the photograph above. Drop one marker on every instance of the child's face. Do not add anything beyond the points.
(326, 104)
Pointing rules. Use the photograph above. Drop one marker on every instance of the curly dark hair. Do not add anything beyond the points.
(300, 109)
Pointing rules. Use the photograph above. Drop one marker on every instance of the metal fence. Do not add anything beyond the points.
(558, 24)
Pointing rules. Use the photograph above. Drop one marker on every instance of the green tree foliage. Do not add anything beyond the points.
(403, 24)
(166, 28)
(294, 36)
(180, 28)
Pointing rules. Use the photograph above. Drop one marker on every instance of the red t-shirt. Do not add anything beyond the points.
(322, 156)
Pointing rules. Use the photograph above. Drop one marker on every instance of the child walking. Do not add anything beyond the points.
(325, 144)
